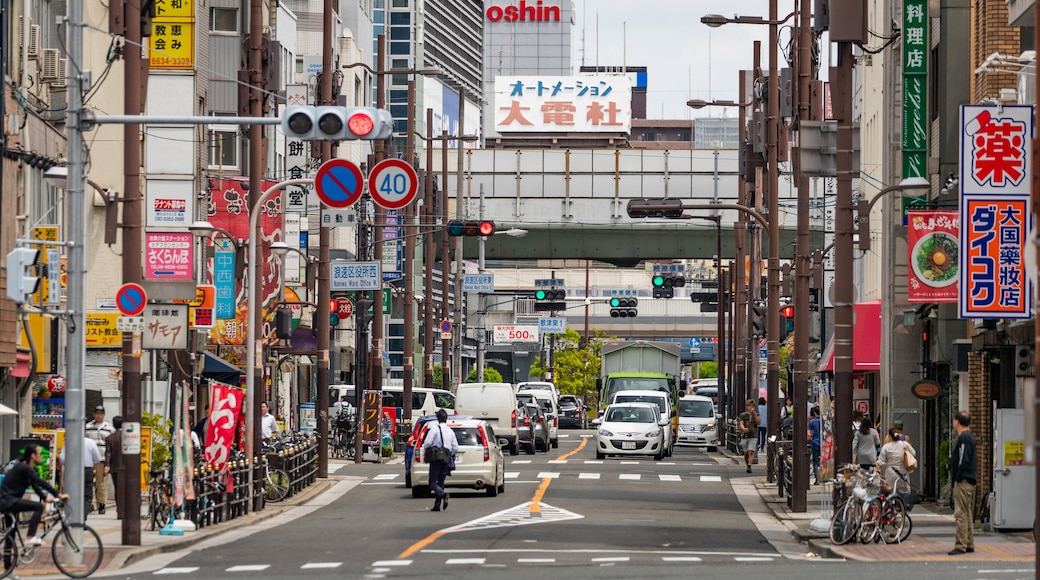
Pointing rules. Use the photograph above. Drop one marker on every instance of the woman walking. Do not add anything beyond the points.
(865, 444)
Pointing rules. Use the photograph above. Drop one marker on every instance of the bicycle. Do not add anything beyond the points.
(276, 483)
(847, 520)
(160, 502)
(341, 443)
(885, 517)
(76, 550)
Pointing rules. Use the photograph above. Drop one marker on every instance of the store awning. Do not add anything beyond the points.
(866, 340)
(218, 369)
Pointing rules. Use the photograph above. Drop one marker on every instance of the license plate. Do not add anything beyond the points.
(628, 444)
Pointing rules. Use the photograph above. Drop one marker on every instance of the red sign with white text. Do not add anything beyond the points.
(224, 406)
(933, 262)
(994, 281)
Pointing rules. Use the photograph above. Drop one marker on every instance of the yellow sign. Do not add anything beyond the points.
(46, 234)
(101, 330)
(171, 45)
(146, 455)
(205, 296)
(40, 328)
(1014, 453)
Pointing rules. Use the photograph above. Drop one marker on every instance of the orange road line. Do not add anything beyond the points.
(421, 544)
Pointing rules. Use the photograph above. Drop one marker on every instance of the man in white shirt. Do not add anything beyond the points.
(91, 460)
(440, 435)
(268, 425)
(98, 430)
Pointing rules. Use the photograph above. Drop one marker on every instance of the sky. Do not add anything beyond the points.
(685, 59)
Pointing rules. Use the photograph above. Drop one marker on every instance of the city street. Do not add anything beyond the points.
(562, 512)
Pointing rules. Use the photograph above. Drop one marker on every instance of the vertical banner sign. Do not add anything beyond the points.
(915, 83)
(48, 293)
(933, 263)
(297, 197)
(171, 45)
(224, 278)
(292, 239)
(373, 412)
(224, 406)
(994, 230)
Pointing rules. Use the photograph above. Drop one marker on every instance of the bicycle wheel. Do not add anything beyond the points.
(845, 522)
(9, 551)
(276, 485)
(868, 527)
(77, 550)
(893, 520)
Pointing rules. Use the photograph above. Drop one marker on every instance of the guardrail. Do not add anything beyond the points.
(300, 462)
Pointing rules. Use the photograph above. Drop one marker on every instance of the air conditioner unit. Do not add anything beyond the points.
(63, 69)
(49, 65)
(33, 48)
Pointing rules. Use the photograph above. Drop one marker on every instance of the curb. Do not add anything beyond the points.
(124, 557)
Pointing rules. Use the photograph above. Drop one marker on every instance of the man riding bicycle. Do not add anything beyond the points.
(20, 477)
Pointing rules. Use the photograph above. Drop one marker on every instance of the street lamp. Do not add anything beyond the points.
(717, 20)
(58, 176)
(700, 103)
(512, 232)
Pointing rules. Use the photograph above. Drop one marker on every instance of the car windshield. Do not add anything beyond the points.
(659, 401)
(700, 409)
(467, 435)
(567, 405)
(630, 415)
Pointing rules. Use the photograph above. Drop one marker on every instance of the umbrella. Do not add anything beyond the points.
(5, 410)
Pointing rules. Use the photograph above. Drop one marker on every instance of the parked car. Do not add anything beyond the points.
(547, 403)
(664, 406)
(538, 385)
(492, 402)
(572, 414)
(539, 427)
(630, 429)
(698, 422)
(415, 439)
(711, 392)
(479, 463)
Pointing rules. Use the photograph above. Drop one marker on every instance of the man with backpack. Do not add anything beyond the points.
(439, 448)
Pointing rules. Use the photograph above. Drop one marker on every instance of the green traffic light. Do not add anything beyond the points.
(539, 295)
(614, 302)
(658, 281)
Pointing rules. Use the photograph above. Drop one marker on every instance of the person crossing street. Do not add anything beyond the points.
(98, 430)
(438, 448)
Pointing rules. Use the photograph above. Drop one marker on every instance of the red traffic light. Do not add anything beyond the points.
(487, 228)
(787, 311)
(333, 305)
(360, 124)
(471, 228)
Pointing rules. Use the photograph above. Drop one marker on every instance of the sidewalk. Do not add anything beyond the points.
(932, 536)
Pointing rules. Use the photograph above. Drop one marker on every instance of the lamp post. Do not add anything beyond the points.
(253, 309)
(482, 300)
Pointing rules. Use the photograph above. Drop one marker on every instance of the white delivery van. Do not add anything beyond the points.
(664, 405)
(494, 403)
(424, 401)
(698, 424)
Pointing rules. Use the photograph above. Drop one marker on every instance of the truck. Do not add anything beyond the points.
(640, 365)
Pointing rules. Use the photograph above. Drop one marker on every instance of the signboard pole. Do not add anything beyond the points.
(482, 297)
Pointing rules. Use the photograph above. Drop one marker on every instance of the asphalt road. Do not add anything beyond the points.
(575, 517)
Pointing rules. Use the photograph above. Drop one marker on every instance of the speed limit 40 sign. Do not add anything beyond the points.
(507, 333)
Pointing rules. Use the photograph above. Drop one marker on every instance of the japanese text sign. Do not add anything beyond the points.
(932, 264)
(593, 104)
(168, 256)
(224, 278)
(993, 279)
(225, 403)
(915, 88)
(995, 149)
(49, 292)
(348, 276)
(165, 327)
(101, 330)
(170, 203)
(171, 44)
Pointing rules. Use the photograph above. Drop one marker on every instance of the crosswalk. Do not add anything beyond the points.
(388, 478)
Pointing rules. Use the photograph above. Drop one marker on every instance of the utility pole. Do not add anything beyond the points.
(482, 300)
(409, 270)
(773, 184)
(256, 175)
(376, 358)
(739, 334)
(457, 242)
(429, 252)
(132, 269)
(445, 266)
(841, 96)
(322, 329)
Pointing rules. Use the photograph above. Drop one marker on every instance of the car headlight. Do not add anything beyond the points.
(605, 433)
(710, 426)
(653, 433)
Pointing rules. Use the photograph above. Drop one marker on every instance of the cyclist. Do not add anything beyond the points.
(20, 477)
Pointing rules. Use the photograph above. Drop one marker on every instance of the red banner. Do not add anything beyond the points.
(934, 259)
(224, 407)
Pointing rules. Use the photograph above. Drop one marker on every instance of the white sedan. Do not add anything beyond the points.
(479, 463)
(631, 429)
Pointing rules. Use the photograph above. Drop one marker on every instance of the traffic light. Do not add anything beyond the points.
(550, 300)
(663, 285)
(21, 283)
(624, 307)
(1024, 361)
(332, 123)
(459, 228)
(333, 312)
(786, 321)
(362, 312)
(283, 323)
(758, 320)
(655, 208)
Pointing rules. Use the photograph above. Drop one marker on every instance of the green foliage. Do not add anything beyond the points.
(944, 474)
(491, 375)
(162, 428)
(709, 370)
(575, 369)
(438, 380)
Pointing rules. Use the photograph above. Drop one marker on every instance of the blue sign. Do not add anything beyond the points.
(478, 283)
(695, 343)
(349, 276)
(224, 279)
(763, 354)
(339, 183)
(557, 325)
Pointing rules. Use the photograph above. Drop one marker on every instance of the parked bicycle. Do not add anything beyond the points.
(870, 510)
(160, 498)
(76, 548)
(341, 440)
(276, 483)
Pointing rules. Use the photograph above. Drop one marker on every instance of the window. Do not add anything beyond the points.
(223, 20)
(223, 146)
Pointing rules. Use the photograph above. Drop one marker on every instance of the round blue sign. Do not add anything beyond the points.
(445, 325)
(339, 183)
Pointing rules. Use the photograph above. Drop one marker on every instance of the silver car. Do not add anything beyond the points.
(631, 429)
(479, 463)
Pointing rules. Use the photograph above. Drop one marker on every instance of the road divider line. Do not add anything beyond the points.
(421, 544)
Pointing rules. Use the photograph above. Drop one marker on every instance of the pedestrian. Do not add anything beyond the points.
(441, 438)
(91, 459)
(18, 479)
(890, 462)
(268, 424)
(963, 473)
(98, 430)
(865, 443)
(749, 432)
(200, 428)
(114, 462)
(813, 433)
(763, 422)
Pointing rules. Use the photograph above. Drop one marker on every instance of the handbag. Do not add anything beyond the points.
(438, 453)
(909, 461)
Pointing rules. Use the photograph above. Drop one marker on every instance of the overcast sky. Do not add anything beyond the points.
(685, 59)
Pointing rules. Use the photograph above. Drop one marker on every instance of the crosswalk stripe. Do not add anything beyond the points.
(519, 461)
(593, 462)
(631, 476)
(536, 560)
(710, 478)
(184, 570)
(385, 563)
(465, 561)
(681, 559)
(512, 474)
(629, 463)
(248, 568)
(385, 476)
(557, 461)
(320, 565)
(665, 477)
(548, 474)
(588, 476)
(611, 559)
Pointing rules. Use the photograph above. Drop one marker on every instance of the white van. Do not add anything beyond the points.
(538, 385)
(424, 401)
(698, 424)
(664, 405)
(491, 402)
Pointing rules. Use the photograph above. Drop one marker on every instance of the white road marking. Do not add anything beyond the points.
(710, 478)
(557, 461)
(593, 462)
(248, 568)
(185, 570)
(611, 559)
(588, 476)
(752, 559)
(1023, 571)
(380, 483)
(512, 474)
(549, 474)
(536, 560)
(630, 476)
(669, 477)
(519, 461)
(515, 516)
(564, 436)
(680, 559)
(465, 561)
(667, 463)
(385, 476)
(321, 565)
(629, 463)
(385, 563)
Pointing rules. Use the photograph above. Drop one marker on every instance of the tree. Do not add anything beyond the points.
(438, 370)
(575, 368)
(708, 370)
(491, 375)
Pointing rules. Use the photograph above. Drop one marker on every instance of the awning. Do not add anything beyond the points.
(218, 369)
(866, 340)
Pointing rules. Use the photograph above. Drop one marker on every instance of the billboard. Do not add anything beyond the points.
(932, 264)
(588, 104)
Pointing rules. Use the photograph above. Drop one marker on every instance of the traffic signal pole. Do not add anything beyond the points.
(773, 185)
(322, 329)
(445, 266)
